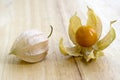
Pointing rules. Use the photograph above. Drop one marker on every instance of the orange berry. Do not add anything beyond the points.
(86, 36)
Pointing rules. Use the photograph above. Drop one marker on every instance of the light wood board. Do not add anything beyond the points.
(40, 14)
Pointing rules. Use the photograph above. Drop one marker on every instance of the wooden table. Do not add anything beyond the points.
(40, 14)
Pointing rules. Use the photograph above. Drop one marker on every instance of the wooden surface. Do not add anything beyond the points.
(20, 15)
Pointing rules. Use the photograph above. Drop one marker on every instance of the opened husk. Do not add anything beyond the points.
(90, 52)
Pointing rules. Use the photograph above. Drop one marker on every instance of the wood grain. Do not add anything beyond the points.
(40, 14)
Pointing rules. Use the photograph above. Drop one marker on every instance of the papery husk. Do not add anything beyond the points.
(108, 39)
(72, 51)
(94, 22)
(74, 24)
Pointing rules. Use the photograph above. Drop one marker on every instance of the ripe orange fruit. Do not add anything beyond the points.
(86, 36)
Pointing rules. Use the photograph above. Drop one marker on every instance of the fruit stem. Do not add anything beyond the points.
(111, 22)
(50, 31)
